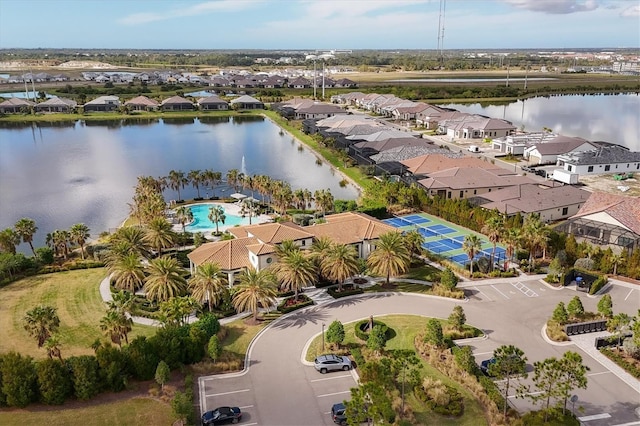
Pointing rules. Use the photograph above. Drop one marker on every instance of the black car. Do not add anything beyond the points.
(339, 414)
(222, 415)
(485, 365)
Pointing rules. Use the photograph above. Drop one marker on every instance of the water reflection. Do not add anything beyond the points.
(612, 118)
(64, 174)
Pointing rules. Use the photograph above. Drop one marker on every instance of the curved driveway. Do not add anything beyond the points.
(278, 389)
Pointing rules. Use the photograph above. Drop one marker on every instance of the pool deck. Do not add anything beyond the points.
(229, 208)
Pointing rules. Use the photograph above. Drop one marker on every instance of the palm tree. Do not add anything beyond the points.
(177, 181)
(79, 233)
(216, 215)
(390, 257)
(536, 235)
(131, 239)
(340, 263)
(159, 234)
(9, 239)
(196, 178)
(26, 229)
(52, 345)
(165, 279)
(493, 230)
(414, 241)
(319, 249)
(471, 245)
(184, 215)
(176, 311)
(286, 247)
(324, 200)
(122, 302)
(511, 239)
(126, 271)
(208, 284)
(60, 240)
(616, 259)
(255, 288)
(233, 176)
(41, 322)
(111, 326)
(295, 270)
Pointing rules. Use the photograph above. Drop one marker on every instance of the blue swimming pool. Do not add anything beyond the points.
(202, 223)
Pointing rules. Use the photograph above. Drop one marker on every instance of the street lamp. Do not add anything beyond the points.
(322, 337)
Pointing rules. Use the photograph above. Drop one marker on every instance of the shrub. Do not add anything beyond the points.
(356, 353)
(335, 333)
(288, 305)
(333, 292)
(85, 376)
(560, 314)
(555, 332)
(434, 334)
(360, 326)
(598, 284)
(448, 279)
(53, 381)
(617, 357)
(19, 379)
(575, 308)
(584, 263)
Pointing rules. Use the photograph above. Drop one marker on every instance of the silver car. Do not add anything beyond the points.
(326, 363)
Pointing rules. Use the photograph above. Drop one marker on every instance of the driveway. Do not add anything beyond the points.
(278, 389)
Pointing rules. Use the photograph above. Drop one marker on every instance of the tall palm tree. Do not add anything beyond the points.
(41, 322)
(492, 228)
(298, 199)
(233, 177)
(184, 215)
(511, 239)
(53, 345)
(248, 182)
(60, 240)
(390, 257)
(132, 239)
(196, 178)
(216, 215)
(340, 263)
(324, 200)
(536, 235)
(208, 284)
(26, 229)
(295, 270)
(616, 259)
(110, 325)
(255, 288)
(165, 279)
(159, 234)
(319, 249)
(126, 271)
(286, 247)
(177, 180)
(79, 233)
(471, 245)
(414, 241)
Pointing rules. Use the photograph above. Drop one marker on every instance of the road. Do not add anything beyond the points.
(279, 389)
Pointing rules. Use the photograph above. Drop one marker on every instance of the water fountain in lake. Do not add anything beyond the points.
(243, 167)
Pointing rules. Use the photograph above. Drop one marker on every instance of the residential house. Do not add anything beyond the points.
(420, 167)
(468, 182)
(604, 159)
(142, 103)
(473, 126)
(318, 111)
(362, 151)
(299, 83)
(56, 104)
(102, 104)
(213, 103)
(389, 162)
(345, 82)
(15, 105)
(246, 102)
(548, 152)
(551, 201)
(517, 143)
(608, 220)
(176, 103)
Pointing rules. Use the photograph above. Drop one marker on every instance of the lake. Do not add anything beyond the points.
(610, 118)
(64, 173)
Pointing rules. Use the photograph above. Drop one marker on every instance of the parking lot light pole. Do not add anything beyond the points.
(322, 337)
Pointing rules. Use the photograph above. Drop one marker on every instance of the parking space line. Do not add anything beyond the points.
(524, 289)
(530, 393)
(503, 295)
(628, 424)
(332, 394)
(630, 291)
(480, 291)
(245, 407)
(227, 393)
(331, 378)
(481, 353)
(595, 417)
(597, 374)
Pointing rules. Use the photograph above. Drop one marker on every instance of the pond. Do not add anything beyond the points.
(69, 172)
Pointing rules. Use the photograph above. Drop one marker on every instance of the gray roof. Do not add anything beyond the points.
(604, 155)
(561, 145)
(245, 99)
(531, 198)
(213, 99)
(17, 102)
(55, 101)
(391, 143)
(405, 152)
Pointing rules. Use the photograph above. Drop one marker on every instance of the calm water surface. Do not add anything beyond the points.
(63, 174)
(610, 118)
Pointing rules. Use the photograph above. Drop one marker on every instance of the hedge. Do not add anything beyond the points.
(364, 336)
(333, 292)
(598, 284)
(282, 308)
(622, 362)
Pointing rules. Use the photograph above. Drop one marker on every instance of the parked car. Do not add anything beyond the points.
(339, 414)
(222, 415)
(485, 365)
(326, 363)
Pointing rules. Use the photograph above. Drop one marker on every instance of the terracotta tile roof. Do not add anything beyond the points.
(17, 102)
(259, 249)
(272, 233)
(431, 163)
(230, 254)
(350, 228)
(55, 101)
(471, 178)
(176, 100)
(625, 210)
(142, 100)
(530, 198)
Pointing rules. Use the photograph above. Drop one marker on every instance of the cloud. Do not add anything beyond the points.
(555, 6)
(197, 9)
(631, 12)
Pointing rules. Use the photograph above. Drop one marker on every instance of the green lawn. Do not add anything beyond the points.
(75, 295)
(134, 411)
(406, 329)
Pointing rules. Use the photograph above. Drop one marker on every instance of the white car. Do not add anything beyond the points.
(326, 363)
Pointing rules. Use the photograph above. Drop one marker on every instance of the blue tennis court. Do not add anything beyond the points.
(417, 219)
(442, 229)
(397, 222)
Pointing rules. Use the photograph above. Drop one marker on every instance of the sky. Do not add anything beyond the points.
(318, 24)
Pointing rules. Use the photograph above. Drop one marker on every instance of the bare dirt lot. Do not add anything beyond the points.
(606, 183)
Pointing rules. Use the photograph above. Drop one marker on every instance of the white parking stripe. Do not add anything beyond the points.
(245, 406)
(628, 424)
(481, 353)
(480, 291)
(524, 289)
(630, 291)
(595, 417)
(227, 393)
(503, 295)
(331, 394)
(597, 374)
(332, 378)
(530, 393)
